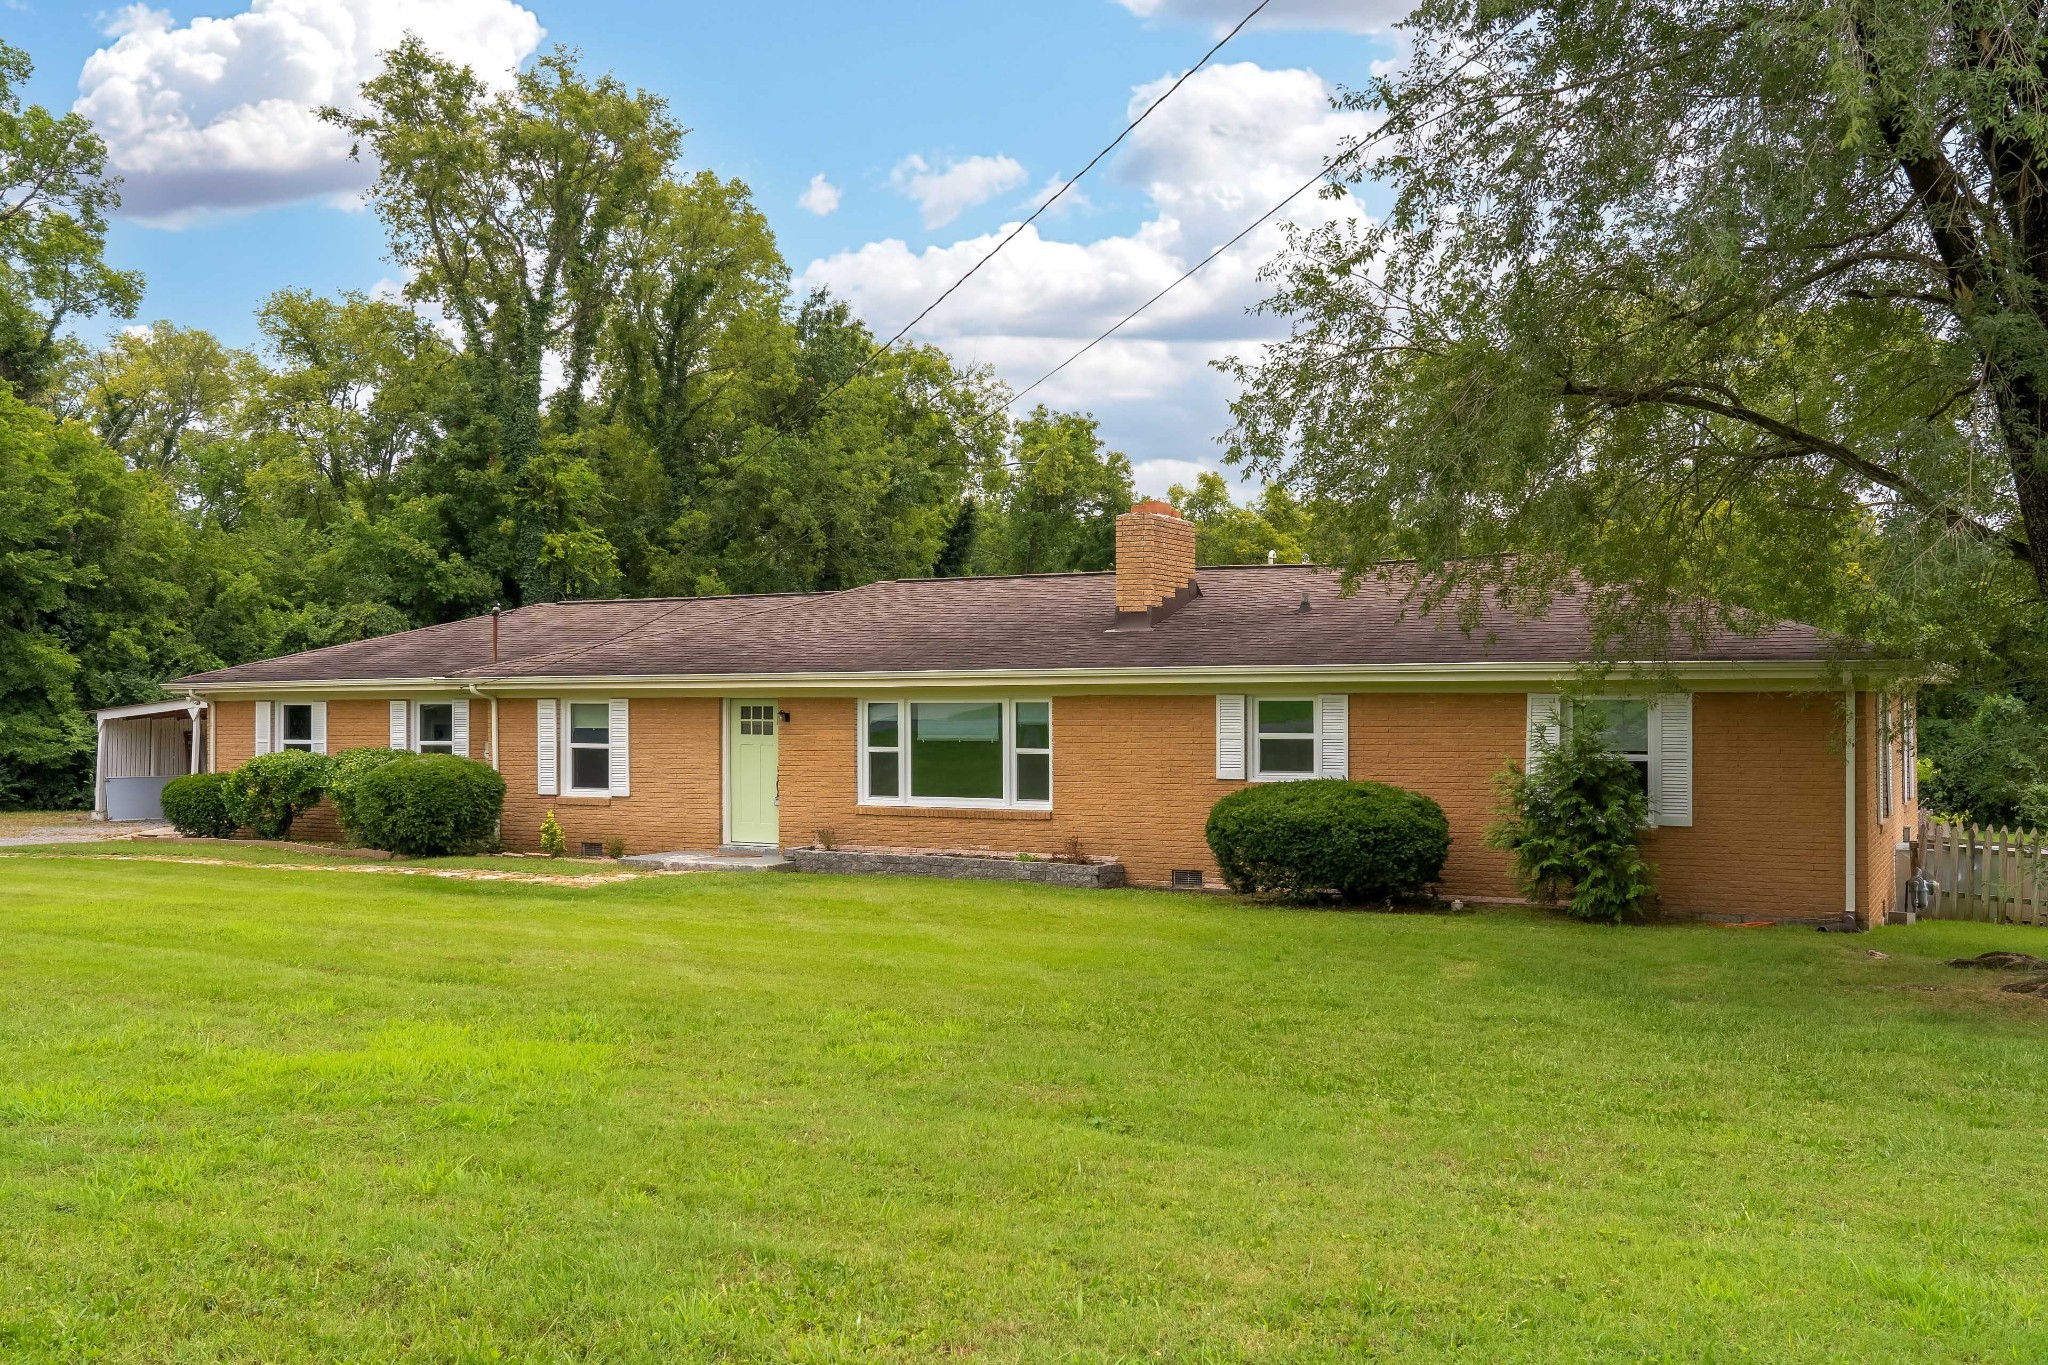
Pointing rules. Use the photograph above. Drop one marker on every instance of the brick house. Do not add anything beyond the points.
(1108, 711)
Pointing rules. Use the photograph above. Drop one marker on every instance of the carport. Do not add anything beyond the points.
(141, 747)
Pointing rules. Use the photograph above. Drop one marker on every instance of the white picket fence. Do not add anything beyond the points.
(1996, 876)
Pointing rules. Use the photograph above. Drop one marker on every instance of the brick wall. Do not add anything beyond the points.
(1134, 777)
(673, 757)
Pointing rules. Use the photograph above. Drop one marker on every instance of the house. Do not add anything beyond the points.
(1100, 711)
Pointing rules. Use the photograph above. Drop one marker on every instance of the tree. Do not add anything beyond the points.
(1274, 526)
(91, 608)
(1052, 506)
(1743, 303)
(356, 388)
(509, 211)
(158, 396)
(55, 195)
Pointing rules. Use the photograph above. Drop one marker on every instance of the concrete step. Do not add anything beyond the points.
(690, 860)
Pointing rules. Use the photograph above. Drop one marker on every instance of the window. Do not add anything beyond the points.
(885, 751)
(1625, 724)
(956, 753)
(435, 727)
(1285, 738)
(1034, 750)
(590, 746)
(295, 725)
(757, 719)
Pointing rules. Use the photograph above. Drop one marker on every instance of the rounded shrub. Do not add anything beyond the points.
(430, 805)
(270, 791)
(197, 806)
(345, 778)
(1365, 840)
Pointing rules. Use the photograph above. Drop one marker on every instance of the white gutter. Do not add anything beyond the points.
(1849, 802)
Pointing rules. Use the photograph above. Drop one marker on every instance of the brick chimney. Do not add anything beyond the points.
(1155, 562)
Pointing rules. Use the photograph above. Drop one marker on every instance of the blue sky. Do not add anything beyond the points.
(936, 125)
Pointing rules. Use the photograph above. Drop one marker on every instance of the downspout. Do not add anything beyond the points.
(1849, 802)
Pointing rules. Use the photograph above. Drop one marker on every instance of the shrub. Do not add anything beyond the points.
(344, 783)
(553, 842)
(270, 791)
(429, 805)
(1366, 840)
(1573, 826)
(197, 806)
(615, 848)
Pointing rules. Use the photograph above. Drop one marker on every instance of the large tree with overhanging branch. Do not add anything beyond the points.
(1739, 301)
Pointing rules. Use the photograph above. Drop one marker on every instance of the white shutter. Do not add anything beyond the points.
(1909, 750)
(1333, 749)
(1229, 736)
(1544, 731)
(459, 728)
(621, 785)
(266, 714)
(398, 710)
(1884, 757)
(1671, 802)
(319, 727)
(545, 742)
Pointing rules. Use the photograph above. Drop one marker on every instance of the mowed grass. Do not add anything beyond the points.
(264, 1113)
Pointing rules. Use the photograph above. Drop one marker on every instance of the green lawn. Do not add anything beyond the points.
(270, 1114)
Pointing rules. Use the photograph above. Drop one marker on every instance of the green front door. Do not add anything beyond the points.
(753, 772)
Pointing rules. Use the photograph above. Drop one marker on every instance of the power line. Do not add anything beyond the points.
(1191, 271)
(1016, 231)
(1380, 134)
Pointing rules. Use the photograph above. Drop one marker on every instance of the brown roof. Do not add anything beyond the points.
(1245, 616)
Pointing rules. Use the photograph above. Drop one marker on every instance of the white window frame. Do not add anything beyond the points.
(1254, 770)
(1007, 801)
(569, 746)
(418, 734)
(311, 743)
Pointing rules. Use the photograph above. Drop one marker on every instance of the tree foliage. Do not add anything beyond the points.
(55, 195)
(1573, 821)
(1725, 311)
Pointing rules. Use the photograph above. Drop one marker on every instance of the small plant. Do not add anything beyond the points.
(615, 849)
(1027, 857)
(197, 806)
(553, 843)
(1364, 840)
(432, 805)
(1074, 854)
(828, 839)
(347, 772)
(270, 791)
(1573, 825)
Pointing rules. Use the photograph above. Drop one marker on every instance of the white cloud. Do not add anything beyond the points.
(944, 194)
(1233, 142)
(821, 196)
(219, 114)
(1345, 16)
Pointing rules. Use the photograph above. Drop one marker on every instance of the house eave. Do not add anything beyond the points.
(1706, 675)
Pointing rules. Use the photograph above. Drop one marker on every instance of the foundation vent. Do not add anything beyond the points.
(591, 850)
(1188, 879)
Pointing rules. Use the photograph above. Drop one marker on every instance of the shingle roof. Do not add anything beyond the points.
(1246, 616)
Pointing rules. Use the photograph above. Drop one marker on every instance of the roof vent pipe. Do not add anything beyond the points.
(495, 609)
